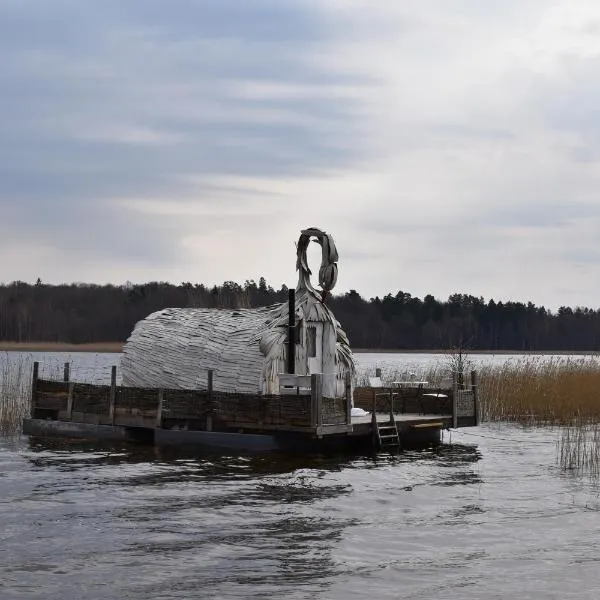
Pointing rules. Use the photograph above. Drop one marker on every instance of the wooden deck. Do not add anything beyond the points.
(210, 417)
(399, 418)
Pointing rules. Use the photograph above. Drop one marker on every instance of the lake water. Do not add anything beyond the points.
(487, 515)
(96, 368)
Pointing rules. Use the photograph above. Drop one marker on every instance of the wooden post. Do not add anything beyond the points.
(377, 372)
(374, 427)
(159, 409)
(291, 366)
(113, 395)
(70, 401)
(348, 390)
(66, 372)
(392, 418)
(475, 390)
(211, 408)
(455, 401)
(316, 399)
(34, 379)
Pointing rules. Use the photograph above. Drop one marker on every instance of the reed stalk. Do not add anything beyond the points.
(15, 391)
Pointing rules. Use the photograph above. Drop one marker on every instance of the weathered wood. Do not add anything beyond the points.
(316, 399)
(333, 429)
(211, 406)
(113, 394)
(159, 409)
(291, 348)
(70, 401)
(475, 390)
(66, 372)
(455, 387)
(34, 381)
(348, 394)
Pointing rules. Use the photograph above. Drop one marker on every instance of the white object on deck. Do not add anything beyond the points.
(359, 412)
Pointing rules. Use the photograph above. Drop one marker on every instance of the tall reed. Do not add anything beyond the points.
(15, 391)
(542, 391)
(578, 449)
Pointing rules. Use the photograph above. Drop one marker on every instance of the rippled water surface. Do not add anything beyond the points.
(488, 515)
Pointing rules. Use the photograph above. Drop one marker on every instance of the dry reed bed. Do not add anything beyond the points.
(15, 391)
(556, 392)
(552, 391)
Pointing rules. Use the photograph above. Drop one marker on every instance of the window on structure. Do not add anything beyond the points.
(311, 342)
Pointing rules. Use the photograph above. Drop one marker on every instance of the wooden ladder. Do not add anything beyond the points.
(387, 437)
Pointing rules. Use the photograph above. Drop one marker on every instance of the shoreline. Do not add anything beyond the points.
(471, 352)
(117, 347)
(100, 347)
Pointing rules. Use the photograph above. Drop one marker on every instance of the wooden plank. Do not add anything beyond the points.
(438, 424)
(333, 429)
(66, 372)
(113, 394)
(159, 409)
(70, 401)
(348, 389)
(211, 405)
(291, 345)
(454, 403)
(475, 390)
(269, 427)
(34, 380)
(316, 398)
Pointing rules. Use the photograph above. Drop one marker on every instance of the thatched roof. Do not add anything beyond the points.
(176, 347)
(246, 348)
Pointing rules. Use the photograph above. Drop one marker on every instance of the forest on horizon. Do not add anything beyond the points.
(88, 313)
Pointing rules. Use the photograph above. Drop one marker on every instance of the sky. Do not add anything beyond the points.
(448, 146)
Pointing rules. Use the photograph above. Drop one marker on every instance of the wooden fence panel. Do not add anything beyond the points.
(50, 395)
(91, 399)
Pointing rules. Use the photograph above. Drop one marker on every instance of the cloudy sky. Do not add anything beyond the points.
(448, 146)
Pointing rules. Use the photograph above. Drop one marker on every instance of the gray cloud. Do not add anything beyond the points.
(131, 99)
(448, 147)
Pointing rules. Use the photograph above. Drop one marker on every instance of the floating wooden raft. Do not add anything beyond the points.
(202, 409)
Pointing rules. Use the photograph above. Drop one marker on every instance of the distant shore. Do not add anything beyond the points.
(60, 347)
(118, 347)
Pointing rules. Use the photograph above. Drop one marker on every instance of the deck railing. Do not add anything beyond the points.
(461, 404)
(300, 406)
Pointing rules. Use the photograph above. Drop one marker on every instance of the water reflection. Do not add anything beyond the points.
(120, 520)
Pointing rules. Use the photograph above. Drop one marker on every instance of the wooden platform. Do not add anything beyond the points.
(304, 419)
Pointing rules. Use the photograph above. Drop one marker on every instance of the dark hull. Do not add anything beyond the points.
(226, 441)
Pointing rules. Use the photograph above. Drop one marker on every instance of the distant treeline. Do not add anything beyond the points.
(84, 313)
